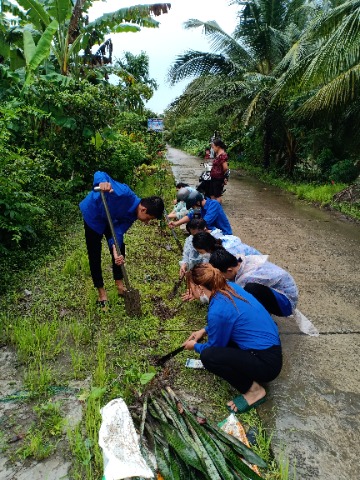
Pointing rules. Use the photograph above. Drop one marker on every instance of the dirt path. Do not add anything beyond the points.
(314, 409)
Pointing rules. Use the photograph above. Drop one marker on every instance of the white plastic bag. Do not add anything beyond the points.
(120, 444)
(304, 324)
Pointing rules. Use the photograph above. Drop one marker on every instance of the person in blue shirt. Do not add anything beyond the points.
(270, 284)
(243, 345)
(125, 207)
(210, 210)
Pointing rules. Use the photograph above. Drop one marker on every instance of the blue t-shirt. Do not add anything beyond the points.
(247, 324)
(214, 216)
(122, 203)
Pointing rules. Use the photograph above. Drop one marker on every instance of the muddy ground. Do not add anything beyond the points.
(314, 407)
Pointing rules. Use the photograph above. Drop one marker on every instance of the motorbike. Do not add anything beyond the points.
(205, 178)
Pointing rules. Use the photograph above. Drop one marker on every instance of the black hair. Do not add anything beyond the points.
(208, 149)
(182, 185)
(219, 143)
(222, 259)
(154, 206)
(196, 224)
(205, 241)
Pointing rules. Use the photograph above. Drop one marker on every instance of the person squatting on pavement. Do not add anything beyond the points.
(243, 345)
(210, 210)
(125, 207)
(271, 285)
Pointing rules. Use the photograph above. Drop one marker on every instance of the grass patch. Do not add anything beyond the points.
(64, 342)
(321, 195)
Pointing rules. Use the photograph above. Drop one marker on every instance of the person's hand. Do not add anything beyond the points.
(183, 269)
(172, 224)
(106, 187)
(119, 259)
(189, 345)
(195, 336)
(225, 181)
(188, 296)
(175, 202)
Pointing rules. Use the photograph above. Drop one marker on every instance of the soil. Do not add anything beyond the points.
(314, 407)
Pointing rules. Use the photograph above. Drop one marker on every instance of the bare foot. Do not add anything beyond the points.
(120, 287)
(102, 294)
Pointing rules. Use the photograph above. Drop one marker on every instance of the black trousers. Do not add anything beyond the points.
(93, 244)
(265, 296)
(241, 368)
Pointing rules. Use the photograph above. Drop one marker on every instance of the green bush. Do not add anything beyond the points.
(344, 172)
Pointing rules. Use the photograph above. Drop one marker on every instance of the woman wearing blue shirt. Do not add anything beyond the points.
(243, 345)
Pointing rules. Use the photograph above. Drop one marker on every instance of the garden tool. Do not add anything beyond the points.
(178, 243)
(131, 296)
(160, 361)
(176, 287)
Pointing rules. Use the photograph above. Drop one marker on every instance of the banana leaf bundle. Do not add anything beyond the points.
(189, 447)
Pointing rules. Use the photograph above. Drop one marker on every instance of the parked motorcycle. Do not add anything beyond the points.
(205, 178)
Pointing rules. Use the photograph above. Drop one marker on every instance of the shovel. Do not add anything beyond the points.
(131, 296)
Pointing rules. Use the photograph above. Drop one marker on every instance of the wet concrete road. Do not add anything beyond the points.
(314, 406)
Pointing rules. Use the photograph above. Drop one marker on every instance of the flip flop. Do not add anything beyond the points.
(242, 405)
(102, 304)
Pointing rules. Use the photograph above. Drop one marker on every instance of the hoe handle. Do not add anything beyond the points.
(111, 225)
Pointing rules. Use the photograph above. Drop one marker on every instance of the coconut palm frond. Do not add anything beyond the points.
(192, 64)
(251, 109)
(336, 94)
(222, 42)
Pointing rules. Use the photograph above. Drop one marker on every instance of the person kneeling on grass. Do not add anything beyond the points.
(270, 284)
(125, 207)
(243, 345)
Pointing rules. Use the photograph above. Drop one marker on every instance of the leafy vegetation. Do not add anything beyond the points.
(65, 345)
(281, 90)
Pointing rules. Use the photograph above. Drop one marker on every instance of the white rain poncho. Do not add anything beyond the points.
(231, 243)
(257, 269)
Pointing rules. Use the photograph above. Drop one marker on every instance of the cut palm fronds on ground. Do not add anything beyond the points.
(186, 445)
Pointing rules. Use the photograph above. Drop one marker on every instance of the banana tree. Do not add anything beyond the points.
(74, 32)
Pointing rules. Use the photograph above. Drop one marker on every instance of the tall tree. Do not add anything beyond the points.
(239, 71)
(74, 32)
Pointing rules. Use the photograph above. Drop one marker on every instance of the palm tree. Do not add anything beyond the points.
(240, 69)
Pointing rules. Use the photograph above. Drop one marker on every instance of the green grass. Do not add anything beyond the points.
(61, 337)
(321, 195)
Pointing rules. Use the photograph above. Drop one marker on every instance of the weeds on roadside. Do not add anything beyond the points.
(42, 437)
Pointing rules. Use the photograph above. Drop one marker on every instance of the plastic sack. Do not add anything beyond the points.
(232, 426)
(304, 324)
(120, 444)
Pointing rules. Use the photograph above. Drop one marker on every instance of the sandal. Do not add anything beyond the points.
(242, 405)
(102, 304)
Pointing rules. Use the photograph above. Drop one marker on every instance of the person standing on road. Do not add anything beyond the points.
(243, 345)
(125, 207)
(219, 171)
(210, 210)
(271, 285)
